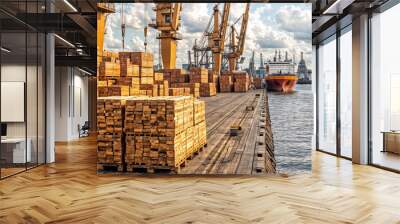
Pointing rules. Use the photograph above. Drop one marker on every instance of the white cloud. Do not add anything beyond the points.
(270, 27)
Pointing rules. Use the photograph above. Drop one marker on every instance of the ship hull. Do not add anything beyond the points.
(283, 84)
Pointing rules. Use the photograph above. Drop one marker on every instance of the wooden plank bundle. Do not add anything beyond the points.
(225, 83)
(156, 133)
(104, 91)
(199, 109)
(207, 89)
(143, 59)
(179, 92)
(212, 76)
(158, 76)
(241, 81)
(257, 83)
(109, 68)
(110, 142)
(198, 75)
(175, 75)
(194, 88)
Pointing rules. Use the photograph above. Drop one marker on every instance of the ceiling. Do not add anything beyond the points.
(74, 22)
(330, 15)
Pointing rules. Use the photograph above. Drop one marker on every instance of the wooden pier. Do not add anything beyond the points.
(239, 136)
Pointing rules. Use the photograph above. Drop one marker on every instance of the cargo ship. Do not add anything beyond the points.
(281, 75)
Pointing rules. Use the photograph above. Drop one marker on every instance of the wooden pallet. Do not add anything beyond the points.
(110, 167)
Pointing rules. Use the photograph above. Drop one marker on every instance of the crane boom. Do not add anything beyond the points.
(237, 51)
(218, 37)
(224, 25)
(243, 29)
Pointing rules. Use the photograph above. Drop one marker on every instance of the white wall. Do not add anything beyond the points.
(71, 102)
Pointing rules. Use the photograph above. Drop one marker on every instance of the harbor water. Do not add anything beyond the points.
(292, 128)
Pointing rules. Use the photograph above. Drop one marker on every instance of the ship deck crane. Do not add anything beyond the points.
(168, 22)
(237, 49)
(103, 10)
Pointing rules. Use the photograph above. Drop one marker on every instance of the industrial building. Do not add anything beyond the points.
(49, 115)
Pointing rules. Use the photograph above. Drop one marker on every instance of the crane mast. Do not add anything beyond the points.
(237, 51)
(217, 40)
(168, 22)
(103, 10)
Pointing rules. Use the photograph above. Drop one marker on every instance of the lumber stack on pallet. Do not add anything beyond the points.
(160, 131)
(130, 74)
(241, 82)
(110, 141)
(194, 88)
(198, 75)
(208, 89)
(116, 90)
(225, 84)
(175, 75)
(179, 91)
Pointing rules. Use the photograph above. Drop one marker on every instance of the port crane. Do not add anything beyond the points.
(212, 42)
(167, 22)
(103, 10)
(236, 49)
(216, 40)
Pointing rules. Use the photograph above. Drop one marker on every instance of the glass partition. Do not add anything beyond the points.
(327, 96)
(346, 93)
(385, 89)
(22, 88)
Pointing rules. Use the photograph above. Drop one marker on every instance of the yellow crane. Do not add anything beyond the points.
(237, 49)
(103, 10)
(217, 38)
(168, 22)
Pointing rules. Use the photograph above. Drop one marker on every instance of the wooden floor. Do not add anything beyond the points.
(70, 191)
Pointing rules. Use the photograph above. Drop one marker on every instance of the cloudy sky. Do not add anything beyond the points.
(271, 26)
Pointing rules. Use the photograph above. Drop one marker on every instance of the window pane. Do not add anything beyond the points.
(327, 96)
(346, 93)
(386, 89)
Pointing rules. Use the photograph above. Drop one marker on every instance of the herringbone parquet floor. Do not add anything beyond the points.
(70, 191)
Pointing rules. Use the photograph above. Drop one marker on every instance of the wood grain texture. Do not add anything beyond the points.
(70, 191)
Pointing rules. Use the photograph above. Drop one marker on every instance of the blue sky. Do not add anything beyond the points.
(272, 26)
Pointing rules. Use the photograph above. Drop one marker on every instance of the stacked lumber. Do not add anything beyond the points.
(199, 122)
(194, 88)
(104, 91)
(207, 89)
(146, 75)
(175, 75)
(132, 74)
(109, 68)
(212, 76)
(258, 83)
(225, 83)
(148, 90)
(241, 81)
(163, 87)
(160, 131)
(158, 76)
(179, 91)
(198, 75)
(110, 117)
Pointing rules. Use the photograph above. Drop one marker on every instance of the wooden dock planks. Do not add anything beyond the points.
(239, 154)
